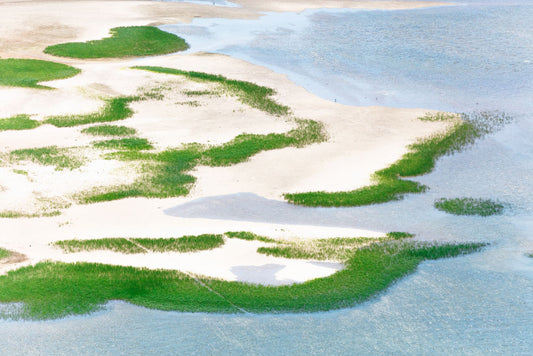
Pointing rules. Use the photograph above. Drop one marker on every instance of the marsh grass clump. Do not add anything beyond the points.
(248, 93)
(61, 158)
(191, 103)
(469, 206)
(132, 41)
(42, 207)
(109, 130)
(246, 145)
(338, 249)
(144, 245)
(14, 214)
(182, 244)
(4, 254)
(112, 244)
(21, 172)
(29, 72)
(114, 109)
(245, 235)
(131, 143)
(18, 122)
(54, 290)
(164, 174)
(440, 116)
(201, 92)
(389, 184)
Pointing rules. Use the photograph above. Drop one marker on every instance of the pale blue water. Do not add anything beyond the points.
(461, 58)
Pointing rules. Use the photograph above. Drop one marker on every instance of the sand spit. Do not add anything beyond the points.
(361, 140)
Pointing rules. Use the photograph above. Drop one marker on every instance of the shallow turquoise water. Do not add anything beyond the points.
(477, 55)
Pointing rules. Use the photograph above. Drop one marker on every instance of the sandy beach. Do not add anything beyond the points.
(360, 141)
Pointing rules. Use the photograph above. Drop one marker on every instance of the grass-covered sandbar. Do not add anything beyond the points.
(88, 168)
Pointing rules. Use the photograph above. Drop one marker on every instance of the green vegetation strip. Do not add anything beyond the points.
(132, 143)
(469, 206)
(114, 109)
(133, 41)
(18, 122)
(248, 93)
(109, 130)
(420, 160)
(143, 245)
(29, 72)
(164, 174)
(53, 290)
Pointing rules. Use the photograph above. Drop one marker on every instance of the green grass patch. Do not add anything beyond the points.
(200, 92)
(114, 109)
(112, 244)
(53, 290)
(469, 206)
(245, 235)
(133, 41)
(21, 172)
(440, 116)
(338, 249)
(246, 145)
(144, 245)
(4, 254)
(164, 174)
(132, 143)
(18, 122)
(192, 103)
(29, 72)
(61, 158)
(182, 244)
(109, 130)
(251, 94)
(388, 183)
(13, 214)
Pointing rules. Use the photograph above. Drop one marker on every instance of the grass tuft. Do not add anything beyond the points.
(132, 143)
(144, 245)
(61, 158)
(18, 122)
(114, 109)
(440, 116)
(109, 130)
(111, 244)
(182, 244)
(244, 235)
(133, 41)
(4, 254)
(469, 206)
(29, 72)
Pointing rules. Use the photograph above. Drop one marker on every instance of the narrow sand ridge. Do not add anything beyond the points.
(361, 140)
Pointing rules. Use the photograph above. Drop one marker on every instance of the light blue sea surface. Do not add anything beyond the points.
(477, 55)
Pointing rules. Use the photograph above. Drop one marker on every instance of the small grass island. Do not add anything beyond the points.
(27, 73)
(133, 41)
